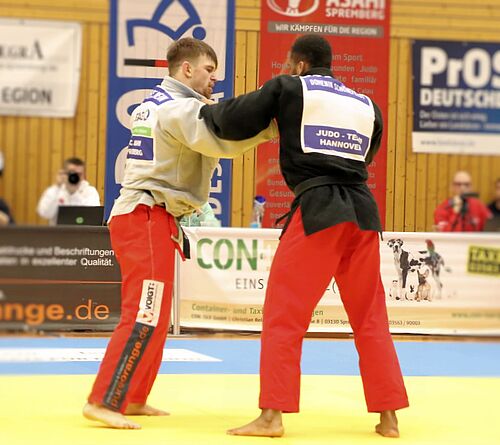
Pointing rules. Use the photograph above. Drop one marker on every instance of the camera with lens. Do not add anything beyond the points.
(73, 178)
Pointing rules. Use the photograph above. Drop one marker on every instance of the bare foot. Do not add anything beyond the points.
(388, 426)
(110, 418)
(268, 424)
(142, 409)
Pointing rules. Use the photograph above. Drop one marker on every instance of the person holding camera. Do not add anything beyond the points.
(70, 189)
(463, 212)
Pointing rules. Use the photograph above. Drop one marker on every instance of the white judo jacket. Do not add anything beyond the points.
(172, 154)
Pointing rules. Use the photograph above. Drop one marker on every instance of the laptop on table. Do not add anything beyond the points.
(80, 215)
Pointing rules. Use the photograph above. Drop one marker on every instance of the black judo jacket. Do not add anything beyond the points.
(328, 189)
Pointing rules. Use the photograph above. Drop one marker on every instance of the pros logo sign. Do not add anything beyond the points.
(456, 97)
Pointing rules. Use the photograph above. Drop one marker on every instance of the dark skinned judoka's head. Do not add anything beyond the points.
(309, 51)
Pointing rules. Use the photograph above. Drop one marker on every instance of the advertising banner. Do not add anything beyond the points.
(140, 34)
(39, 67)
(58, 278)
(434, 283)
(359, 35)
(456, 97)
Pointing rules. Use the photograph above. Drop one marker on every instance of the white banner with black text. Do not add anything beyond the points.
(435, 283)
(39, 67)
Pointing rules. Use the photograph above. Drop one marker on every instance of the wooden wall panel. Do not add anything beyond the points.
(34, 155)
(21, 170)
(249, 158)
(102, 96)
(77, 10)
(90, 149)
(401, 133)
(246, 79)
(239, 88)
(80, 139)
(409, 158)
(9, 148)
(45, 172)
(391, 136)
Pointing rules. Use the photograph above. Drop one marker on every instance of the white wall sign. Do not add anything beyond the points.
(39, 67)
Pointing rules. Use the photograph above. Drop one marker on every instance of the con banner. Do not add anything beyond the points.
(58, 278)
(456, 97)
(434, 283)
(358, 32)
(140, 34)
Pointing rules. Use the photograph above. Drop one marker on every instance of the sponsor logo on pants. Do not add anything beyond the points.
(146, 321)
(150, 305)
(134, 350)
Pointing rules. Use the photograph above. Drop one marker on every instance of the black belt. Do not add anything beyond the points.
(309, 184)
(306, 185)
(318, 181)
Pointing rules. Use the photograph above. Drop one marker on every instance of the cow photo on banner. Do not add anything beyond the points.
(359, 35)
(140, 34)
(456, 97)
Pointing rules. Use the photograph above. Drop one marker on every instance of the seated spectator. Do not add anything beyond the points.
(463, 212)
(6, 217)
(494, 205)
(70, 189)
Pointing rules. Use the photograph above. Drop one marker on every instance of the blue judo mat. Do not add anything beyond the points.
(320, 357)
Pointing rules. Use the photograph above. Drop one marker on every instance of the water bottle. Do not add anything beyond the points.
(259, 203)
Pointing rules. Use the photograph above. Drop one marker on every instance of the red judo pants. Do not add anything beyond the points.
(145, 251)
(300, 273)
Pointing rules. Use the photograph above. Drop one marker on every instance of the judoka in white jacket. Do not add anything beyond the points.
(172, 154)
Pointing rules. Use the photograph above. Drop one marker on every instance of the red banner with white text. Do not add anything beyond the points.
(358, 31)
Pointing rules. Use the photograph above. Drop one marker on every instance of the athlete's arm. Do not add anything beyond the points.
(183, 122)
(244, 116)
(376, 139)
